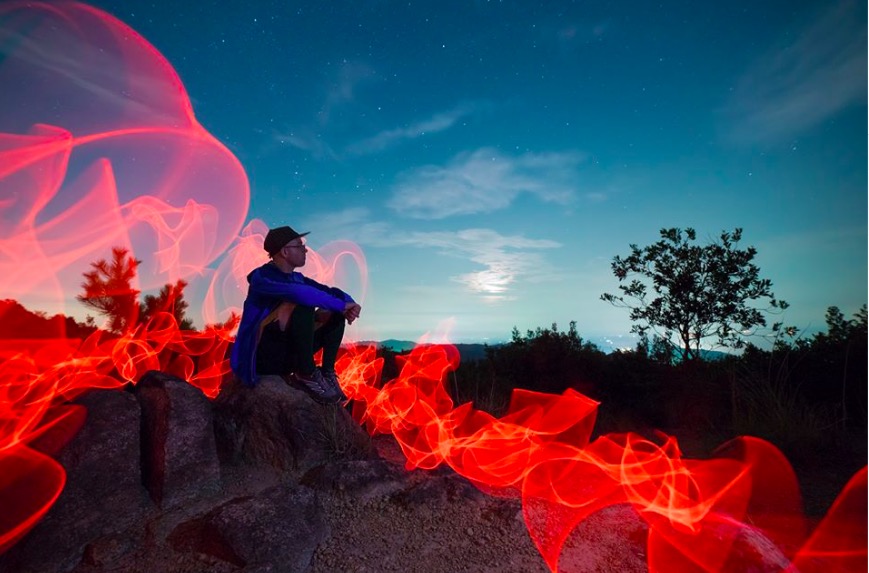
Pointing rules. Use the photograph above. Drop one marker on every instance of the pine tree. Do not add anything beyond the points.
(170, 299)
(108, 289)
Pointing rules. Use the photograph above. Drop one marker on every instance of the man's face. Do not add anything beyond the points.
(295, 252)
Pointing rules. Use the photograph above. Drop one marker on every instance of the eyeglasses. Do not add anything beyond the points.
(302, 246)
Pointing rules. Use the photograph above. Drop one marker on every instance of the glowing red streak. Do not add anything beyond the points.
(98, 148)
(114, 164)
(540, 450)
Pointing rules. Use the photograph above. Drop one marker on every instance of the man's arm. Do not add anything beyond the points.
(308, 293)
(334, 291)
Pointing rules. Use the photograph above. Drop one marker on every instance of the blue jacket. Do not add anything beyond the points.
(268, 287)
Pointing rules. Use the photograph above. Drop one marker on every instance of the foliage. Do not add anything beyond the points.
(16, 322)
(545, 359)
(807, 397)
(475, 381)
(841, 330)
(170, 299)
(656, 349)
(227, 325)
(693, 292)
(777, 409)
(548, 360)
(108, 290)
(827, 372)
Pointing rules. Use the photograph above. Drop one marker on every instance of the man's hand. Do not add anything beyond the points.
(351, 312)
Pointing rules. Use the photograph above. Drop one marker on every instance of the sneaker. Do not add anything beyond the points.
(332, 378)
(318, 387)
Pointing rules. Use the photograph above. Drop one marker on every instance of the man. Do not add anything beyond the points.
(288, 317)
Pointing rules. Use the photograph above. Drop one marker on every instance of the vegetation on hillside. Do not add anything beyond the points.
(808, 397)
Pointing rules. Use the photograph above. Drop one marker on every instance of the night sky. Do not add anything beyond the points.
(491, 158)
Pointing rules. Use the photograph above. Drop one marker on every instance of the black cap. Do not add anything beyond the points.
(277, 238)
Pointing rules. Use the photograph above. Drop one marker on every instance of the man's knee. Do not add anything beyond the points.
(322, 316)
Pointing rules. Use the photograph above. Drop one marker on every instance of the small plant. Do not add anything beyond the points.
(339, 442)
(775, 409)
(475, 382)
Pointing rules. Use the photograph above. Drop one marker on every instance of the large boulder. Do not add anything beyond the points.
(179, 454)
(146, 490)
(279, 529)
(283, 427)
(616, 538)
(103, 493)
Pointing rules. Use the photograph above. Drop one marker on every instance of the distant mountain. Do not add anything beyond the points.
(477, 351)
(471, 352)
(468, 351)
(397, 345)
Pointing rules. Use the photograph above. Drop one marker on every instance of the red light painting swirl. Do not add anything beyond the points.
(99, 148)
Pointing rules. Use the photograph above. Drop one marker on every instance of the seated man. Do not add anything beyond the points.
(288, 317)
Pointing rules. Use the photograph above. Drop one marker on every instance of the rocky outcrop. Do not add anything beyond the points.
(179, 454)
(267, 480)
(103, 492)
(281, 525)
(146, 488)
(282, 427)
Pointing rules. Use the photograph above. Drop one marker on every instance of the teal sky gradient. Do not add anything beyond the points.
(491, 158)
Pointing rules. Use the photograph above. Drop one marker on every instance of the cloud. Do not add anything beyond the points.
(384, 139)
(503, 259)
(793, 88)
(313, 142)
(484, 181)
(352, 224)
(306, 141)
(340, 96)
(570, 35)
(342, 91)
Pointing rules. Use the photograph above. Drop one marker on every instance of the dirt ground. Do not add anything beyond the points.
(454, 536)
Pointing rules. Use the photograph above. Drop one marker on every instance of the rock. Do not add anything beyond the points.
(179, 454)
(363, 480)
(275, 424)
(615, 539)
(278, 530)
(300, 472)
(754, 552)
(443, 488)
(612, 539)
(103, 493)
(107, 550)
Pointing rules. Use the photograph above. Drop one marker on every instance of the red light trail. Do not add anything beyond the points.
(99, 148)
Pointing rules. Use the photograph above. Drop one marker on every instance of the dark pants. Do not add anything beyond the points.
(289, 345)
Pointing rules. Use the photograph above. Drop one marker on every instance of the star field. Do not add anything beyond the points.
(490, 158)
